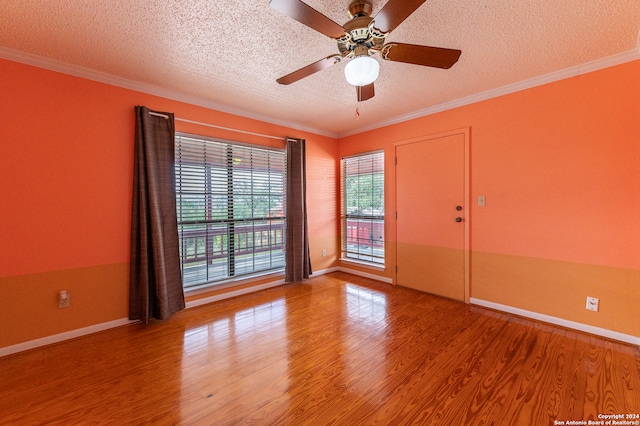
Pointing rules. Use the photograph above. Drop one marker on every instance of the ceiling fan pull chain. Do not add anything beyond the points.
(357, 112)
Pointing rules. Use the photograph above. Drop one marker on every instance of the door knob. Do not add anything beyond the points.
(458, 219)
(458, 208)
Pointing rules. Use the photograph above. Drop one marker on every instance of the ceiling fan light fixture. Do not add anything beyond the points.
(362, 70)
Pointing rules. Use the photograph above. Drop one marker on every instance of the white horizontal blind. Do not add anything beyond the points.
(362, 188)
(231, 204)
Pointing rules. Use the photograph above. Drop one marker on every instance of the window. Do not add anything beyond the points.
(362, 188)
(231, 204)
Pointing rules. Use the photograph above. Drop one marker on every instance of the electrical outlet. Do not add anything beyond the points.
(324, 252)
(482, 201)
(592, 303)
(63, 299)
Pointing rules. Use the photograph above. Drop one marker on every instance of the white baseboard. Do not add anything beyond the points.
(265, 286)
(324, 271)
(352, 272)
(252, 289)
(634, 340)
(55, 338)
(222, 296)
(365, 274)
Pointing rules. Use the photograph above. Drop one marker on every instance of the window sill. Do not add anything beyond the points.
(233, 282)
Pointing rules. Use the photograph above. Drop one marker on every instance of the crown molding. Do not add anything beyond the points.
(89, 74)
(577, 70)
(100, 77)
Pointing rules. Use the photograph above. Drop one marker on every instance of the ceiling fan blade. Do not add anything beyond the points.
(394, 12)
(365, 92)
(309, 16)
(310, 69)
(437, 57)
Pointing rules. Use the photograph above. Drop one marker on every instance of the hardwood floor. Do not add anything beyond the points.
(337, 349)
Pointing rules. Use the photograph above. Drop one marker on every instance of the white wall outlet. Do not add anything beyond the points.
(481, 201)
(592, 303)
(63, 299)
(324, 252)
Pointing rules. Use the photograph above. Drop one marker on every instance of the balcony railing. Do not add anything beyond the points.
(365, 239)
(215, 251)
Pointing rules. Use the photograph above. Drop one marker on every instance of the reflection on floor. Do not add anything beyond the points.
(335, 349)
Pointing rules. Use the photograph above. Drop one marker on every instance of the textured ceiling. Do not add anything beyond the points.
(229, 53)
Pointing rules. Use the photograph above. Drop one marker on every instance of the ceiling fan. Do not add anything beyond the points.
(362, 37)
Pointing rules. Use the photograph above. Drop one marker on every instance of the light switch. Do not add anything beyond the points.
(481, 201)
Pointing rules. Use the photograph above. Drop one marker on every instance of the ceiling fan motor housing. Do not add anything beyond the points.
(360, 31)
(359, 8)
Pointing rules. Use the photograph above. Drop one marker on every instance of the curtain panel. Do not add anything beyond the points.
(298, 263)
(155, 278)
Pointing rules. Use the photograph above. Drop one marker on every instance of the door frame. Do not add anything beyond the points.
(466, 132)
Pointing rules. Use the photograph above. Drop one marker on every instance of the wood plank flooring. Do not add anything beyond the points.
(334, 350)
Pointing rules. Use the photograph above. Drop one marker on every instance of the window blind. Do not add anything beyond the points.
(362, 188)
(231, 204)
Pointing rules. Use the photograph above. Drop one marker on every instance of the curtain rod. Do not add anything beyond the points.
(184, 120)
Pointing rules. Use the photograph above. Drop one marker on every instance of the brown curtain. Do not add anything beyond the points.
(155, 278)
(298, 263)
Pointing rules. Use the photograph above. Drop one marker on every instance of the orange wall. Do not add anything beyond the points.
(66, 165)
(557, 163)
(559, 166)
